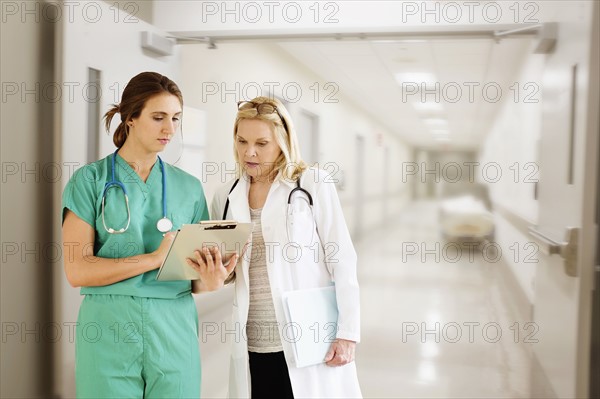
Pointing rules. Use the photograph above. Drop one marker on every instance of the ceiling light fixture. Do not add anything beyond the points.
(416, 77)
(429, 106)
(436, 122)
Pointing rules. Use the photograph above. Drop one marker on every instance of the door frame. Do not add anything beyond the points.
(590, 235)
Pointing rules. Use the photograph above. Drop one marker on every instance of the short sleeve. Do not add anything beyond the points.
(80, 195)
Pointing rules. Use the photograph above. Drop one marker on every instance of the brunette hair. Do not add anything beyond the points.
(139, 90)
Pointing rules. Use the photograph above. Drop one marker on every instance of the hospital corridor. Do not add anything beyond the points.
(434, 325)
(436, 177)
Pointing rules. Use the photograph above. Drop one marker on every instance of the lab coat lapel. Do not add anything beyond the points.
(238, 201)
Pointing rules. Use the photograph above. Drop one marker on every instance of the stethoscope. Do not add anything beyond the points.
(163, 225)
(290, 209)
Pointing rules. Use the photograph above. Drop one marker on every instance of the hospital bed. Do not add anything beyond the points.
(465, 214)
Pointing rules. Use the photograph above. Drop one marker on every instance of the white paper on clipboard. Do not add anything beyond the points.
(229, 236)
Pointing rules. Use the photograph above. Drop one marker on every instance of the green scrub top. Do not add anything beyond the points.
(185, 204)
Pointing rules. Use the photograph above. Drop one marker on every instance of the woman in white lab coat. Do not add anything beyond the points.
(307, 248)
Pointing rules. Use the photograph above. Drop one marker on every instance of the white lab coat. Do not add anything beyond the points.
(337, 263)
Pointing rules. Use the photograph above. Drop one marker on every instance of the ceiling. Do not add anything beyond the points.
(368, 49)
(385, 78)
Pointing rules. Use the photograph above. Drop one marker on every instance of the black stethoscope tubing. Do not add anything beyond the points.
(289, 201)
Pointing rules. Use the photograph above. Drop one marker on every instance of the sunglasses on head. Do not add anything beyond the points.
(262, 109)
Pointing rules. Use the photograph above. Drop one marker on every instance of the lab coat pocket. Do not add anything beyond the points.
(300, 228)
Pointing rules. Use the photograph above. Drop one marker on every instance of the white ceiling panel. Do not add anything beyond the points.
(367, 71)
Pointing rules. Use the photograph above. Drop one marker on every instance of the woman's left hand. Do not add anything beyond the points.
(209, 264)
(340, 352)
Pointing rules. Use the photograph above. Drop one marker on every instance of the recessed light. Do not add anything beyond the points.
(416, 77)
(436, 122)
(429, 106)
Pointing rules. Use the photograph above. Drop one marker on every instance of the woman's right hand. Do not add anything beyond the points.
(161, 252)
(209, 263)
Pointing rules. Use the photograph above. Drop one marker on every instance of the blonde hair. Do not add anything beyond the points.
(289, 162)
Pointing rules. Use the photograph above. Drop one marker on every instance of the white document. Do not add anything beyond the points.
(313, 316)
(229, 236)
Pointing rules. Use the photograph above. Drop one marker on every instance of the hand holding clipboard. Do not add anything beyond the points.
(189, 257)
(212, 267)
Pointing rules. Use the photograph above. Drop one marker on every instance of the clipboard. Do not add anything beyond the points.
(312, 315)
(228, 235)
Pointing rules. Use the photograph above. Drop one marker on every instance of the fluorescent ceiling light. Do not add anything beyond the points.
(416, 77)
(429, 106)
(429, 349)
(436, 122)
(440, 132)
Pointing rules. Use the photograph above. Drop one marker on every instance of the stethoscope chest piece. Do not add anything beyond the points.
(164, 225)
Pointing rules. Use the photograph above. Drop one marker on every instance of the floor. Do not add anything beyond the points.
(449, 327)
(438, 321)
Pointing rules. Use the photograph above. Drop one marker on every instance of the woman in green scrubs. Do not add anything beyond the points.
(136, 336)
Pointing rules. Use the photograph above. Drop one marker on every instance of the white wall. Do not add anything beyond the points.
(109, 44)
(512, 148)
(142, 9)
(434, 172)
